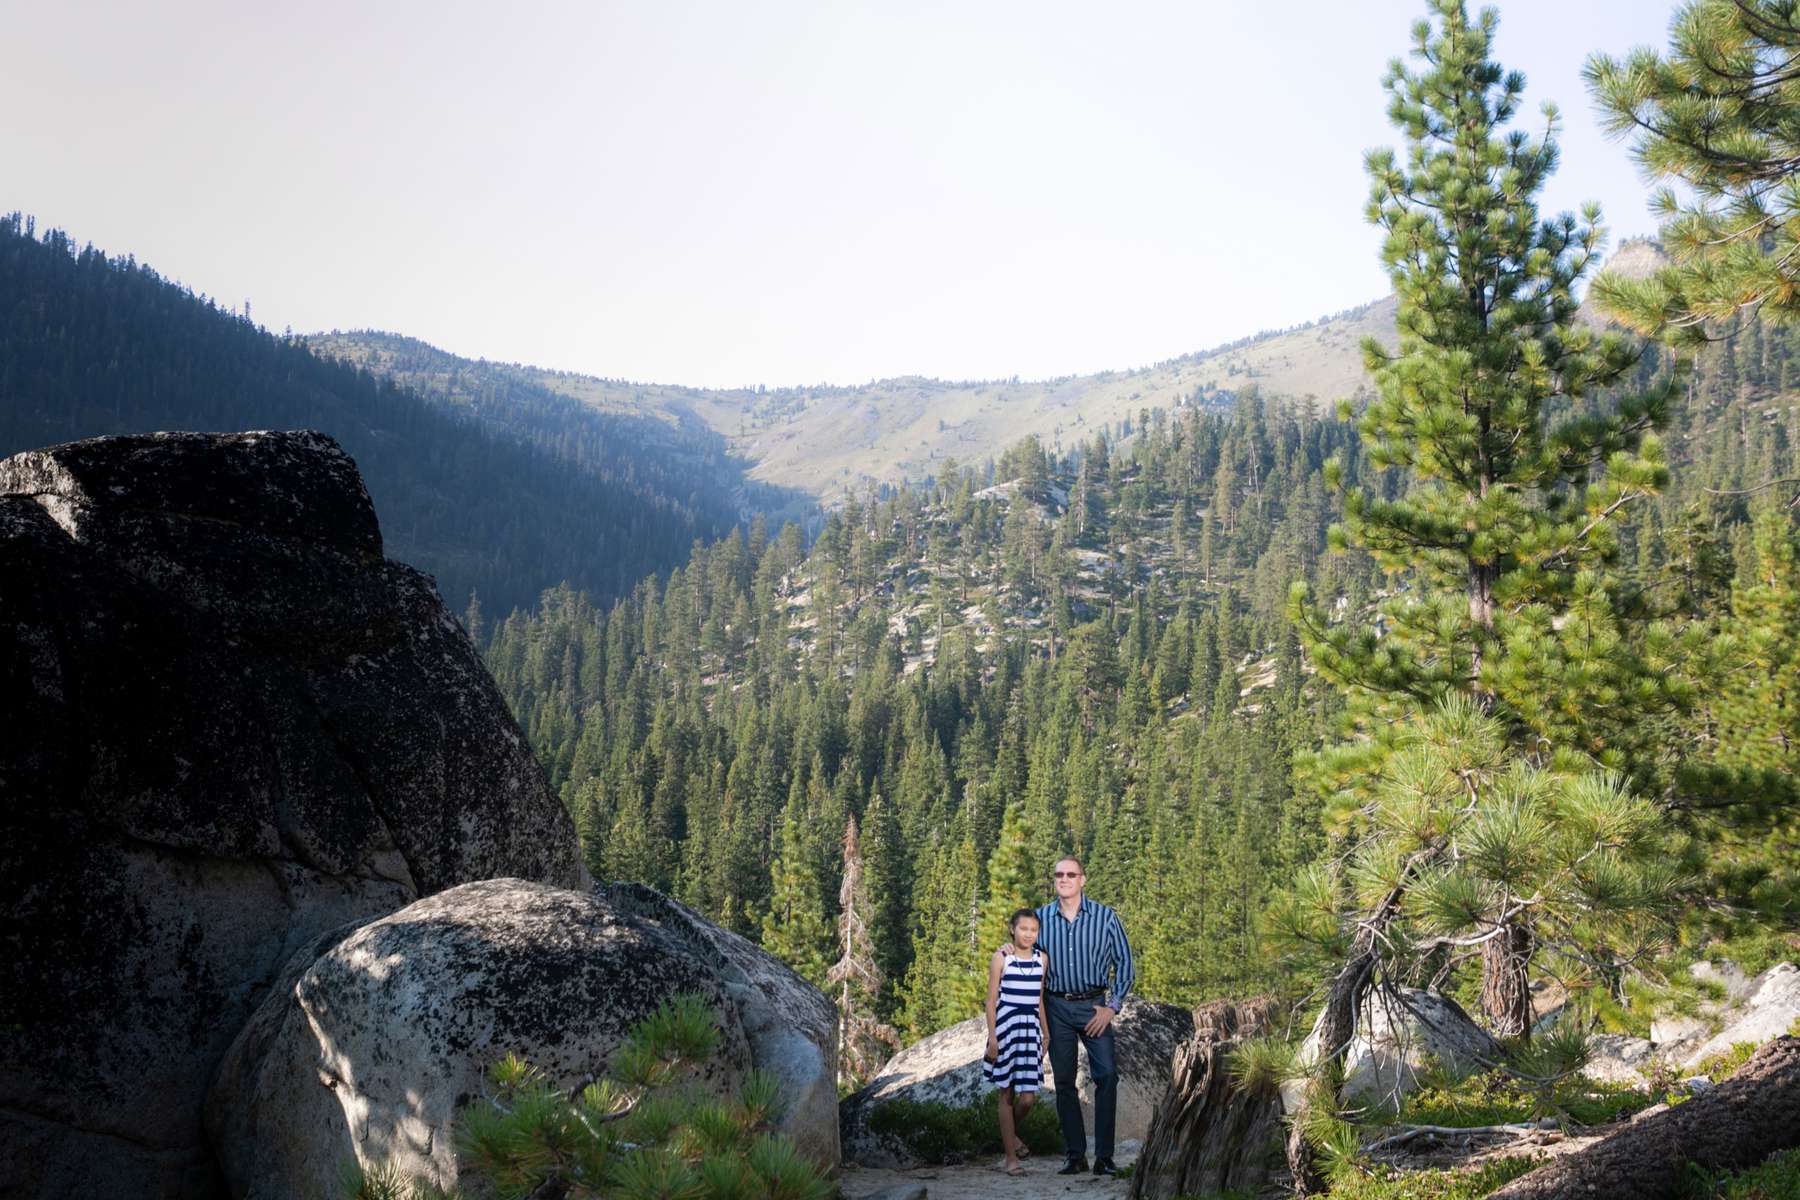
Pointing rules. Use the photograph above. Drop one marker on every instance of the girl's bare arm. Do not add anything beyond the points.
(1043, 1018)
(996, 966)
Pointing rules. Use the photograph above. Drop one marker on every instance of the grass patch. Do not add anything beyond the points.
(939, 1133)
(1720, 1065)
(1778, 1178)
(1389, 1183)
(1494, 1098)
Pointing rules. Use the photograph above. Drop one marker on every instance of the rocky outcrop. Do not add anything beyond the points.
(1737, 1124)
(1209, 1135)
(791, 1027)
(1769, 1007)
(1619, 1058)
(369, 1050)
(1397, 1032)
(231, 726)
(946, 1068)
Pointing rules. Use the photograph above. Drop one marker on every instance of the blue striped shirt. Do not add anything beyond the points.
(1091, 952)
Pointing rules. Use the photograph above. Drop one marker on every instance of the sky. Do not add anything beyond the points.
(729, 194)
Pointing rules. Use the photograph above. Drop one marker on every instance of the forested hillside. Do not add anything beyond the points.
(664, 448)
(502, 499)
(1084, 652)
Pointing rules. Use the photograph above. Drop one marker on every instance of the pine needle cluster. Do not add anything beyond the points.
(1716, 116)
(637, 1134)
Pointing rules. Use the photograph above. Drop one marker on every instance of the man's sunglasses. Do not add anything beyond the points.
(1068, 874)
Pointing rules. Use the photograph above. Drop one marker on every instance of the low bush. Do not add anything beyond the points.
(939, 1133)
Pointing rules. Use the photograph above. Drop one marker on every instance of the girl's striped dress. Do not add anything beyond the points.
(1016, 1025)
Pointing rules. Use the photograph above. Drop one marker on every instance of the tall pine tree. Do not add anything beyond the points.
(1515, 491)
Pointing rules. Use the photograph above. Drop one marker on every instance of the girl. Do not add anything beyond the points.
(1017, 1029)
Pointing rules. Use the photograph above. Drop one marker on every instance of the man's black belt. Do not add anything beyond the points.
(1090, 994)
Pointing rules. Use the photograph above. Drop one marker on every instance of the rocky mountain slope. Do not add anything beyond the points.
(832, 440)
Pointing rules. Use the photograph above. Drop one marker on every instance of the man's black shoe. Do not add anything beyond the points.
(1104, 1166)
(1075, 1166)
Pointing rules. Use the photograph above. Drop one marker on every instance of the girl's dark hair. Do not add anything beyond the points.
(1012, 922)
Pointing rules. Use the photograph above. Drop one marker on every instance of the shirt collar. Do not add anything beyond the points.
(1087, 906)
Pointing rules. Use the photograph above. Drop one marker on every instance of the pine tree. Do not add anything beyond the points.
(1718, 114)
(1012, 884)
(1745, 788)
(1508, 515)
(795, 929)
(1758, 711)
(888, 875)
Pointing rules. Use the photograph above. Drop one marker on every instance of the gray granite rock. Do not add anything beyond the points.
(1770, 1007)
(946, 1068)
(1676, 1027)
(1618, 1058)
(1396, 1034)
(791, 1026)
(368, 1050)
(231, 726)
(1727, 974)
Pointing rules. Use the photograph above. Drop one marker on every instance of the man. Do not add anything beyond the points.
(1090, 973)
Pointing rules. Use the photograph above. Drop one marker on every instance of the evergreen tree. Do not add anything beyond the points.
(1510, 516)
(795, 929)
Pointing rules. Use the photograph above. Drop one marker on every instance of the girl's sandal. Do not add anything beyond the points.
(1015, 1169)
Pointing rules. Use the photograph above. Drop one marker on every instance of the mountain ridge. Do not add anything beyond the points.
(833, 440)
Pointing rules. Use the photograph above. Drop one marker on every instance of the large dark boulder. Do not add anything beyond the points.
(370, 1045)
(230, 725)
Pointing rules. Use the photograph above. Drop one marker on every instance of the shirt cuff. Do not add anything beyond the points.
(1110, 1001)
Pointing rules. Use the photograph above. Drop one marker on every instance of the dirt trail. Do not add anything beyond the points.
(979, 1180)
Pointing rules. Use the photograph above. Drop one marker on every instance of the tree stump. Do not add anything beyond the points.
(1737, 1124)
(1207, 1135)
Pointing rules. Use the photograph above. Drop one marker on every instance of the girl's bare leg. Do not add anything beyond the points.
(1007, 1137)
(1022, 1102)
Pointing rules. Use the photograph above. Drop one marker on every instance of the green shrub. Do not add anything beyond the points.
(1721, 1065)
(386, 1183)
(939, 1133)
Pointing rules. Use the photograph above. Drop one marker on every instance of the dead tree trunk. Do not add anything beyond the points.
(1207, 1135)
(1737, 1124)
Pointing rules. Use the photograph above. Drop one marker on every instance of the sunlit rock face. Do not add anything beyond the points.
(369, 1047)
(230, 725)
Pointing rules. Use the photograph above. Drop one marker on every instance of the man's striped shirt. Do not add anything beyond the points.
(1087, 954)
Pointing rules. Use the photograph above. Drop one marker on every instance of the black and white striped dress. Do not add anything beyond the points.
(1016, 1026)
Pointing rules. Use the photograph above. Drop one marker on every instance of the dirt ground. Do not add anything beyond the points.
(978, 1180)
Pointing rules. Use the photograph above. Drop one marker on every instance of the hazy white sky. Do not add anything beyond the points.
(738, 193)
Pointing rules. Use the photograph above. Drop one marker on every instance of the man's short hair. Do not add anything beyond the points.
(1079, 866)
